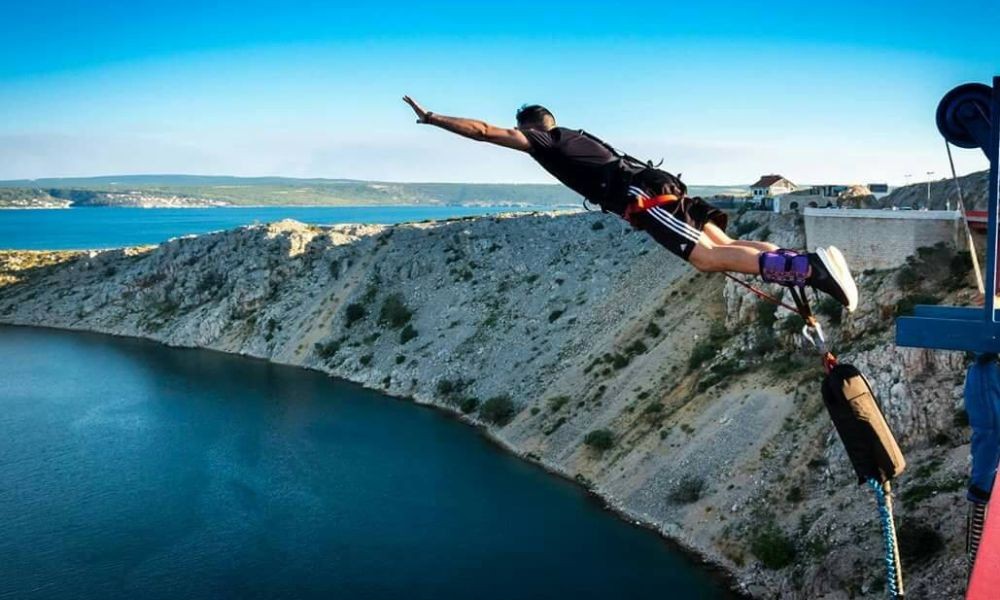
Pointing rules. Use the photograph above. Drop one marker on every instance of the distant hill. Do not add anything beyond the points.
(205, 190)
(942, 194)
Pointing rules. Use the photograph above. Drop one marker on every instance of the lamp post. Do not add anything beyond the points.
(906, 179)
(929, 173)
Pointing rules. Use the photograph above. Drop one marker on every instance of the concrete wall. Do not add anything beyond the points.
(801, 201)
(880, 239)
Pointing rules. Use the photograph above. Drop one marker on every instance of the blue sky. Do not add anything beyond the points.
(724, 91)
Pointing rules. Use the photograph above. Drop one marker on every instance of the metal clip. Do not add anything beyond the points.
(813, 332)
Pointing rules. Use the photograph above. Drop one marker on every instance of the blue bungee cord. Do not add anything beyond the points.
(893, 570)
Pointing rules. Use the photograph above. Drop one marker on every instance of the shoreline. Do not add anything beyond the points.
(559, 207)
(714, 570)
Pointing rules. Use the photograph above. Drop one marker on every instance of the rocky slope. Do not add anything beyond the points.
(943, 193)
(578, 343)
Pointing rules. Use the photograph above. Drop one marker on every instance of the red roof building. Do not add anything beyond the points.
(769, 186)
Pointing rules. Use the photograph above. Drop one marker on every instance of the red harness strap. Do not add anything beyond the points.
(642, 204)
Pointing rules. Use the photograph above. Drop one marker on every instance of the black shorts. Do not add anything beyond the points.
(677, 226)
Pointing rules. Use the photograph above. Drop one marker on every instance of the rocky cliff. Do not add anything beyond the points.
(679, 398)
(943, 193)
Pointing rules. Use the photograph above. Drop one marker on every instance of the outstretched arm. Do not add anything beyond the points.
(472, 128)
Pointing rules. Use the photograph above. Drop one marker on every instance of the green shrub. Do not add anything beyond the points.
(365, 360)
(766, 313)
(653, 408)
(328, 349)
(793, 324)
(907, 304)
(400, 359)
(394, 312)
(653, 330)
(766, 342)
(498, 410)
(908, 275)
(831, 309)
(407, 334)
(555, 315)
(771, 547)
(915, 493)
(555, 426)
(935, 266)
(468, 405)
(449, 387)
(597, 226)
(600, 440)
(354, 313)
(960, 267)
(706, 349)
(619, 361)
(688, 490)
(702, 352)
(636, 347)
(557, 402)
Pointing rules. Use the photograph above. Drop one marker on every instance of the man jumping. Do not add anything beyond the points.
(654, 201)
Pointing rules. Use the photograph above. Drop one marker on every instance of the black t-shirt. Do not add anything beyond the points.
(579, 162)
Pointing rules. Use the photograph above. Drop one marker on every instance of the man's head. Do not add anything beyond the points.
(535, 117)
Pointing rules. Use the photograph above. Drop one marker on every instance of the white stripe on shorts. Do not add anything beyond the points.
(675, 224)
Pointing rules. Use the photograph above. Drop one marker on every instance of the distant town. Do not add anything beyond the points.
(771, 192)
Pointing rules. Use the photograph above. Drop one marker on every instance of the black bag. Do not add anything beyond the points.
(861, 425)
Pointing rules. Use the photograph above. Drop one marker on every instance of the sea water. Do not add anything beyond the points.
(132, 470)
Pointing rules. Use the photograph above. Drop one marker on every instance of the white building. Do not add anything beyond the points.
(771, 186)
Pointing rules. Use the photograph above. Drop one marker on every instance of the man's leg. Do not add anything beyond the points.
(773, 265)
(777, 266)
(719, 238)
(710, 257)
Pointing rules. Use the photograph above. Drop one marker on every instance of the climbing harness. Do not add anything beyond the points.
(643, 203)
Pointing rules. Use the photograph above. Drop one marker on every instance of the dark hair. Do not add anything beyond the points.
(533, 114)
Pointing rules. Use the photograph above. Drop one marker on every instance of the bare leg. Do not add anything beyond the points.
(734, 257)
(719, 238)
(710, 257)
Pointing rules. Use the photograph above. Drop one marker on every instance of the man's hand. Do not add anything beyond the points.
(421, 113)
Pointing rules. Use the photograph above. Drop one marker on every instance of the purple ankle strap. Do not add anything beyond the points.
(785, 267)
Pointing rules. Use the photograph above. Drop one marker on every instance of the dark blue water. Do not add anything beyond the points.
(92, 228)
(132, 470)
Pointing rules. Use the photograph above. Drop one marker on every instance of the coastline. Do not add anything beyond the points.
(532, 323)
(702, 561)
(513, 207)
